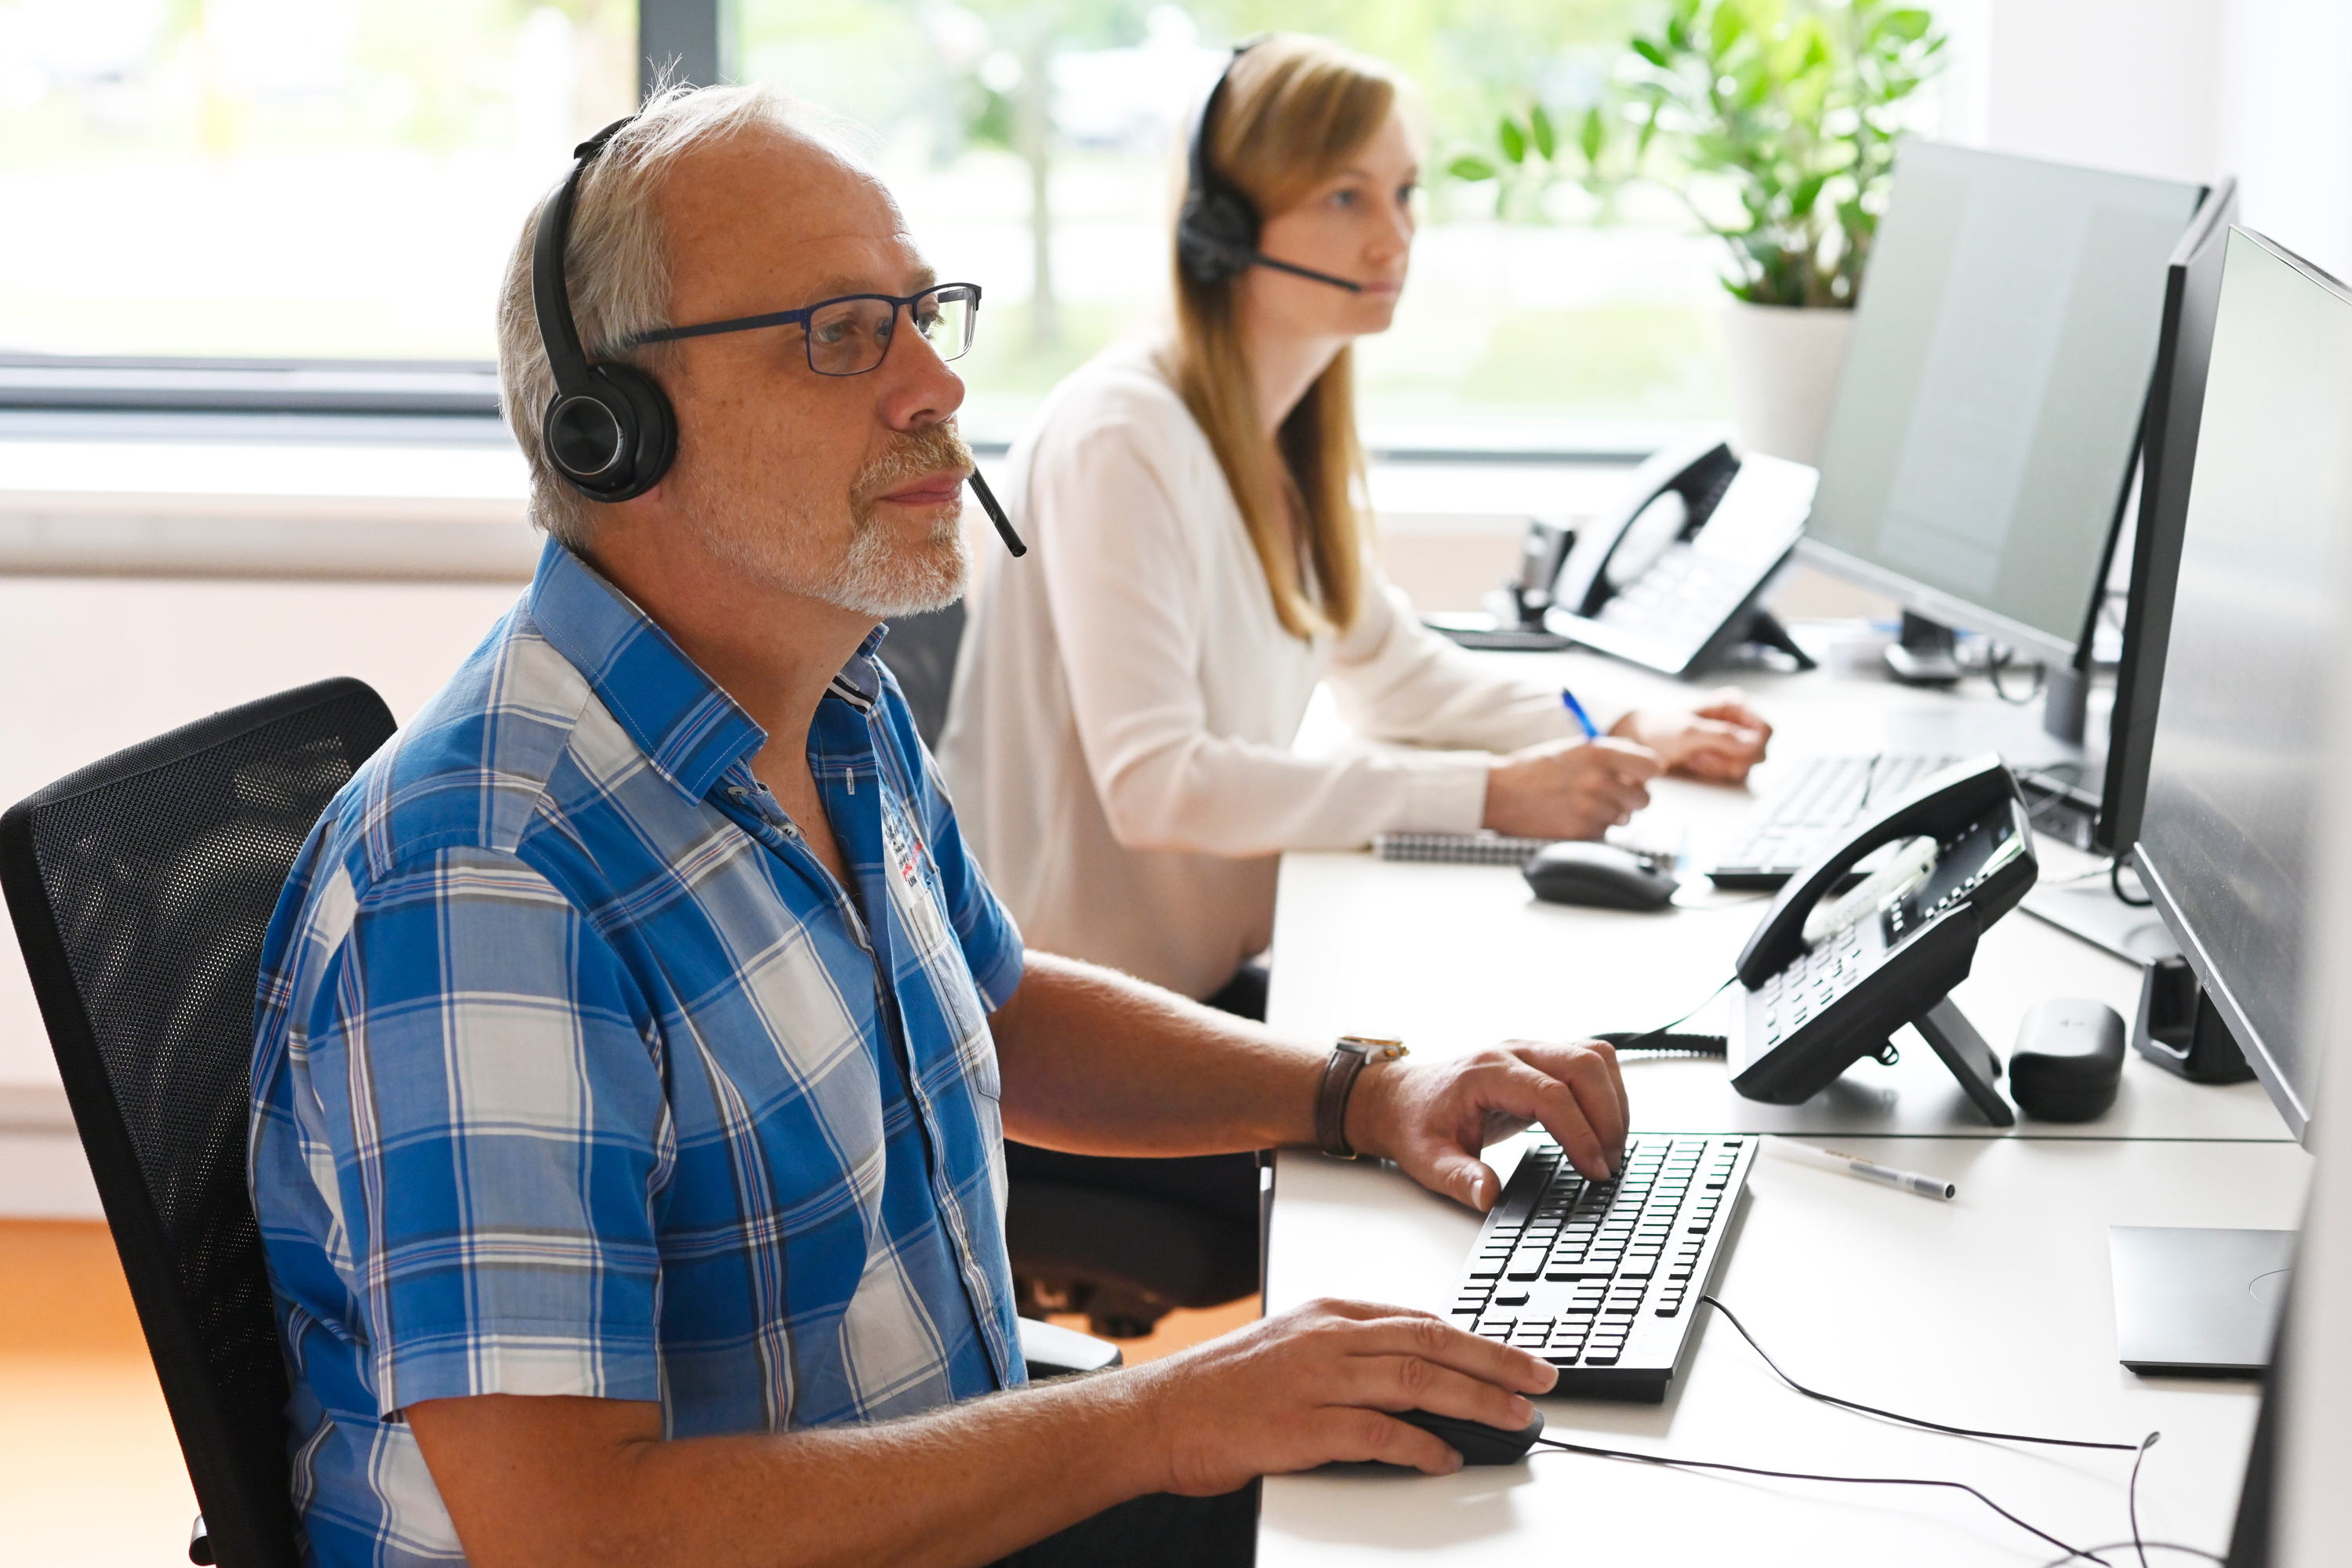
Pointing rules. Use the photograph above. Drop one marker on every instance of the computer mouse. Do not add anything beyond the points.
(2069, 1060)
(1477, 1443)
(1599, 875)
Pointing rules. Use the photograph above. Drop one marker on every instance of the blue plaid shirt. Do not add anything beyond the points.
(576, 1073)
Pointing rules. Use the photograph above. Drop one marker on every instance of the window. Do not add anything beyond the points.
(1509, 333)
(336, 179)
(342, 180)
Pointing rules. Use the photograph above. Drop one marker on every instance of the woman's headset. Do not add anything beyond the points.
(1217, 227)
(608, 430)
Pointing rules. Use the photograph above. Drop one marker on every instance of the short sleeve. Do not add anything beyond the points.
(484, 1073)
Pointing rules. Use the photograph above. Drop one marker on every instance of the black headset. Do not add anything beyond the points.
(608, 430)
(1217, 227)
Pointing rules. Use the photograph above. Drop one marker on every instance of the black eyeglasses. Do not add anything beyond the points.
(851, 335)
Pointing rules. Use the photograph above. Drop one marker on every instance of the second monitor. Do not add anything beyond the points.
(1989, 415)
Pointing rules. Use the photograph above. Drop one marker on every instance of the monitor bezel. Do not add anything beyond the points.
(2051, 648)
(2283, 1099)
(2158, 527)
(1938, 605)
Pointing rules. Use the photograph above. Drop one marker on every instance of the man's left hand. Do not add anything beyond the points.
(1719, 741)
(1436, 1119)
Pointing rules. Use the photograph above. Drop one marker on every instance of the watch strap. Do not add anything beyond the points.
(1349, 1055)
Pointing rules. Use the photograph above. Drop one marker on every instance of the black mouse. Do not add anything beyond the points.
(1476, 1443)
(1600, 875)
(2069, 1060)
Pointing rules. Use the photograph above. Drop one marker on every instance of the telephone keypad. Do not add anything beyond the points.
(1811, 983)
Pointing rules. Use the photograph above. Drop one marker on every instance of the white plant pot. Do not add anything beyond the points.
(1784, 370)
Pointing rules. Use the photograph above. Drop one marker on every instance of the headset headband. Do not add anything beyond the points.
(609, 431)
(550, 292)
(1217, 229)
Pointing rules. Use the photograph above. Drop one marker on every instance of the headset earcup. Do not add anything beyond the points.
(656, 445)
(1216, 235)
(613, 438)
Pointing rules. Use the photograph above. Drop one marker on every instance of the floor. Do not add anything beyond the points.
(91, 1474)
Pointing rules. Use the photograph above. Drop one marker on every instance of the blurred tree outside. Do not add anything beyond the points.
(1083, 156)
(286, 178)
(344, 178)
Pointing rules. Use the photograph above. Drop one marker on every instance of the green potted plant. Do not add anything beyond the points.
(1775, 121)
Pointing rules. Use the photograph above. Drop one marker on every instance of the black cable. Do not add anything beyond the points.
(2054, 787)
(2150, 1545)
(1732, 1318)
(2131, 1496)
(2104, 868)
(1641, 1042)
(2115, 886)
(2070, 1551)
(1999, 659)
(1668, 1043)
(1869, 783)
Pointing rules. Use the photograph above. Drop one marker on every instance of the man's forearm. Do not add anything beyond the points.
(543, 1481)
(1095, 1062)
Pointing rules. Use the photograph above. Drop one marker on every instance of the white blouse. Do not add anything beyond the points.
(1119, 742)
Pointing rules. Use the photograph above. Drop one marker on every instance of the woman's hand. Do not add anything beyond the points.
(1569, 789)
(1718, 741)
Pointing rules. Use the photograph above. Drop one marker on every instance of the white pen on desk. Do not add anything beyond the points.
(1846, 1164)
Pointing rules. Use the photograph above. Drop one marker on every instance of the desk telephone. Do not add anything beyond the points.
(1830, 974)
(1672, 578)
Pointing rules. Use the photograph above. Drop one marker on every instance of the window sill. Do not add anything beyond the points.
(419, 499)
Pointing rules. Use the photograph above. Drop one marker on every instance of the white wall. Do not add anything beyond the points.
(2180, 88)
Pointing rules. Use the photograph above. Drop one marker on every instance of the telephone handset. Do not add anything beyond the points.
(1829, 975)
(1671, 579)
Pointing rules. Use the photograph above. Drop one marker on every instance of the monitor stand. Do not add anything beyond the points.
(2197, 1303)
(1924, 654)
(2133, 932)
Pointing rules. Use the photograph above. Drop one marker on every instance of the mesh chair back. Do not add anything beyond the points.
(140, 888)
(921, 652)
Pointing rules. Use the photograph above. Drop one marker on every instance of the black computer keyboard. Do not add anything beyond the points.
(1601, 1278)
(1815, 812)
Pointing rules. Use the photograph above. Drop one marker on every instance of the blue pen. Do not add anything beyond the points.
(1576, 709)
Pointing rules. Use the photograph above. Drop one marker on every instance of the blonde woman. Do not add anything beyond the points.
(1119, 739)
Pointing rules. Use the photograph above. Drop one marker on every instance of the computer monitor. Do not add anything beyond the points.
(1988, 415)
(2176, 405)
(2238, 765)
(2103, 815)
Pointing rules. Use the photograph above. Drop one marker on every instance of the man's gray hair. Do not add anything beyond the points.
(616, 265)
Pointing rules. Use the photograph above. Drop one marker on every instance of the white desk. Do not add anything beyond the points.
(1993, 1310)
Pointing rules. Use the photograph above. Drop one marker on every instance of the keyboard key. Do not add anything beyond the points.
(1608, 1254)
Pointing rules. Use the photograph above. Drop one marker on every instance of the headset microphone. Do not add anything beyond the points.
(1217, 227)
(996, 514)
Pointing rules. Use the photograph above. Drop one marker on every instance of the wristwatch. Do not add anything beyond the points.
(1348, 1058)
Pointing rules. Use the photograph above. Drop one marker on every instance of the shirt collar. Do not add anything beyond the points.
(686, 724)
(687, 728)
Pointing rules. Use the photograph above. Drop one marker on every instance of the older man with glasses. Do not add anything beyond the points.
(636, 1040)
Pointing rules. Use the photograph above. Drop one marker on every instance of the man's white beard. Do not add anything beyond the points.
(879, 575)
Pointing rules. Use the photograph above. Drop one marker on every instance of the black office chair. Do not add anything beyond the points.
(1123, 1241)
(140, 888)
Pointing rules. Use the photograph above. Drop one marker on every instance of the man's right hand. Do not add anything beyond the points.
(1570, 789)
(1311, 1386)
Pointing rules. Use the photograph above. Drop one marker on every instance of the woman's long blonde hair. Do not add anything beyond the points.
(1293, 108)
